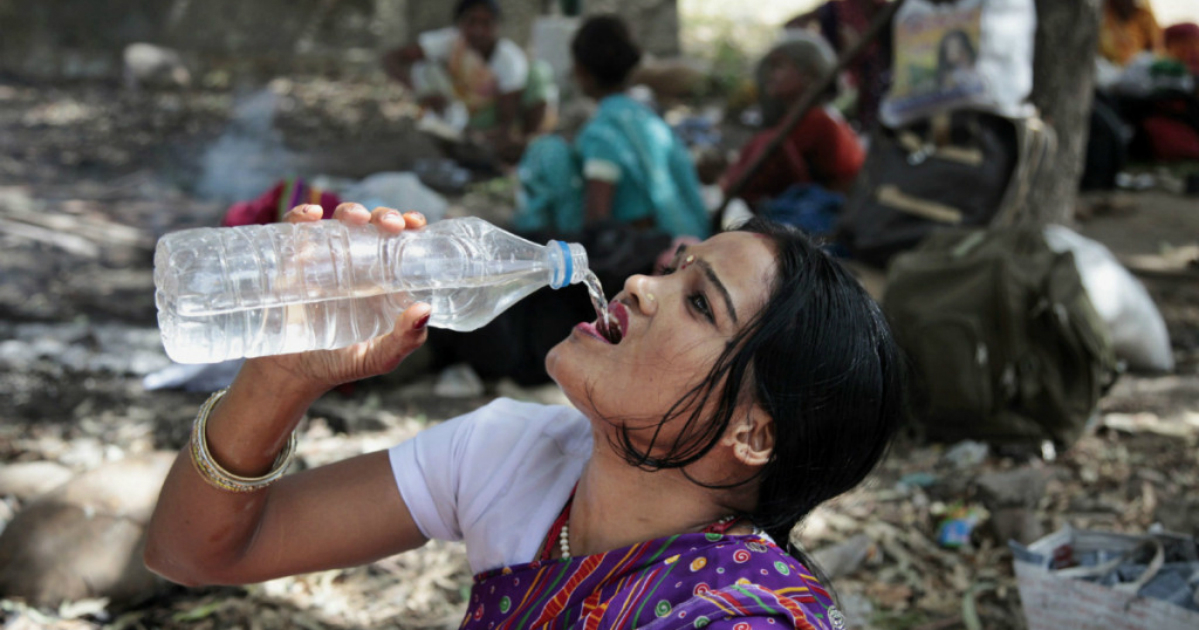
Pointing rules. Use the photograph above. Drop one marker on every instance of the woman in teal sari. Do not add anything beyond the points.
(626, 163)
(749, 384)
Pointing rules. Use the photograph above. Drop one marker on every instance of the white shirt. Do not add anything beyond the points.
(508, 63)
(495, 478)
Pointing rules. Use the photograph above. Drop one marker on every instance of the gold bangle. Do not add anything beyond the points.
(222, 479)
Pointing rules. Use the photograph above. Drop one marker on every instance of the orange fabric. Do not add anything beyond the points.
(822, 149)
(1121, 41)
(473, 80)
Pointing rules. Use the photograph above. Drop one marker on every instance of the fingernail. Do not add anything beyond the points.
(421, 323)
(391, 215)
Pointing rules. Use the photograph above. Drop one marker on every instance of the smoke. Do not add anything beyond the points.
(250, 155)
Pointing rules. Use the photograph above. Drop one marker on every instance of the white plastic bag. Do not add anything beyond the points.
(400, 190)
(969, 54)
(1138, 331)
(1056, 598)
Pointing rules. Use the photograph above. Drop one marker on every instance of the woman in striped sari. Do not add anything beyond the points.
(749, 384)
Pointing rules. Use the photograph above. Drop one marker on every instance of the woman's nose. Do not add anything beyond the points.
(641, 289)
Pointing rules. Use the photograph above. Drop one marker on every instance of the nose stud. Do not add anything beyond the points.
(650, 297)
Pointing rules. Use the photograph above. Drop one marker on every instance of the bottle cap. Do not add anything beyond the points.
(572, 263)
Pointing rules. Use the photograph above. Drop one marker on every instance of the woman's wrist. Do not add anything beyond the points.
(264, 375)
(215, 474)
(252, 423)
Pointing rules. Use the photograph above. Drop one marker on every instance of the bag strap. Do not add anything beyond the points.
(1037, 143)
(1131, 588)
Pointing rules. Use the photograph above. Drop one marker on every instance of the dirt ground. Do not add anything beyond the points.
(91, 176)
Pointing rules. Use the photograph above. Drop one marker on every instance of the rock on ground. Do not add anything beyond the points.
(84, 539)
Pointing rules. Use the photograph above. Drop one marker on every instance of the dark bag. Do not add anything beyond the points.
(1002, 337)
(954, 170)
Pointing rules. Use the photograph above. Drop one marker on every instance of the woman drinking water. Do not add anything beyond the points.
(745, 387)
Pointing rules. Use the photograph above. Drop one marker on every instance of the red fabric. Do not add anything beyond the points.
(266, 208)
(822, 149)
(1183, 44)
(1171, 139)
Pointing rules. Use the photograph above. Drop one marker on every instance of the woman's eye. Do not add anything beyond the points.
(666, 271)
(700, 303)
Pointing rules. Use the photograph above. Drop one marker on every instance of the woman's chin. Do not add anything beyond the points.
(554, 360)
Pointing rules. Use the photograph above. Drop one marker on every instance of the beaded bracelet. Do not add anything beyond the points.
(222, 479)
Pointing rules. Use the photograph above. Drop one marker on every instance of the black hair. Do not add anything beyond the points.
(604, 48)
(1124, 9)
(820, 359)
(463, 6)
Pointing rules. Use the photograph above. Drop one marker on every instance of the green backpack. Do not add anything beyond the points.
(1003, 339)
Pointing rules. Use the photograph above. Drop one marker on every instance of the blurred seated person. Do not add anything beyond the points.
(625, 188)
(1182, 43)
(821, 149)
(1168, 126)
(625, 165)
(1143, 85)
(842, 23)
(1128, 28)
(468, 68)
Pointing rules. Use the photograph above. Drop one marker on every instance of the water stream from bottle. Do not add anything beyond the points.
(606, 324)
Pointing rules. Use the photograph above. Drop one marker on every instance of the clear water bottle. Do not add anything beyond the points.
(225, 293)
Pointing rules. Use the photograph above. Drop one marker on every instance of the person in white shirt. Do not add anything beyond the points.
(749, 384)
(472, 77)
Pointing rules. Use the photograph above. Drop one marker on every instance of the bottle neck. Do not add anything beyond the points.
(568, 263)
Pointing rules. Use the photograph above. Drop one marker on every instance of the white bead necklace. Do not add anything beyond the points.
(564, 536)
(564, 542)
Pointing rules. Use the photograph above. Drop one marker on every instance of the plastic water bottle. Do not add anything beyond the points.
(225, 293)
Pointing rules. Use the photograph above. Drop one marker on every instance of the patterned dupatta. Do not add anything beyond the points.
(741, 582)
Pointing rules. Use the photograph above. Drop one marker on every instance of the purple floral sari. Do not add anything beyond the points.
(711, 580)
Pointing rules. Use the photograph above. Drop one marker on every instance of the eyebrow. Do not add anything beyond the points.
(712, 277)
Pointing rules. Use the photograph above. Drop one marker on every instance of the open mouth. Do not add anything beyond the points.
(617, 323)
(611, 328)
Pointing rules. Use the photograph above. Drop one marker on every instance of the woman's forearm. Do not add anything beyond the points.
(252, 424)
(598, 201)
(198, 532)
(338, 515)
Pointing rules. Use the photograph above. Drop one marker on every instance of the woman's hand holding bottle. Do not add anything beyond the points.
(318, 371)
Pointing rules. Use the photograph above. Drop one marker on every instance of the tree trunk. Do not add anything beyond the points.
(1063, 68)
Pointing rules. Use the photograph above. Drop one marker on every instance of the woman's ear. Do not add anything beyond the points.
(753, 437)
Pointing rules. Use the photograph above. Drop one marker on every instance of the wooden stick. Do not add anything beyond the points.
(806, 102)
